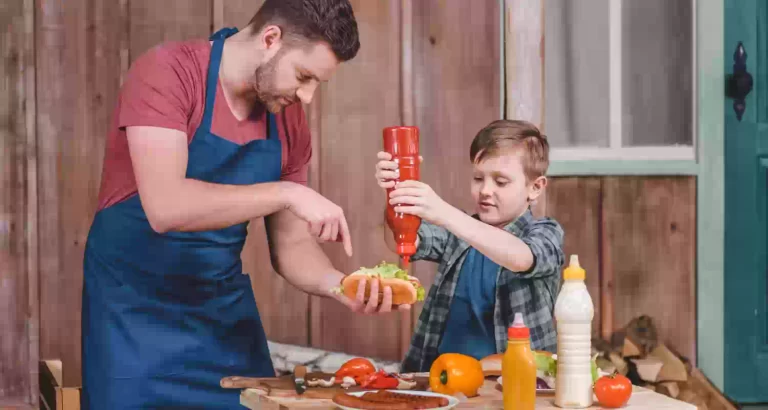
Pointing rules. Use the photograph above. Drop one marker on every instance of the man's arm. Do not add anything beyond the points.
(174, 202)
(298, 258)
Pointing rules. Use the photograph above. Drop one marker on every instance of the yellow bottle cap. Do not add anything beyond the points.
(574, 271)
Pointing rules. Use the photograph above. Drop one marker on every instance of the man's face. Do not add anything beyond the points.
(293, 74)
(500, 189)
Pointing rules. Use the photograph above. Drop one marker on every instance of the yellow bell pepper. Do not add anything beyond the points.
(453, 372)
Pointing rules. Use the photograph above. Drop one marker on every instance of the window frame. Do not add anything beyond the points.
(617, 159)
(711, 63)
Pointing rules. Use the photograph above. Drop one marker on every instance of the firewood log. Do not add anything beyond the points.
(673, 368)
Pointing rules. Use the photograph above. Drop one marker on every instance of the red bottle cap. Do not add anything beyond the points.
(518, 330)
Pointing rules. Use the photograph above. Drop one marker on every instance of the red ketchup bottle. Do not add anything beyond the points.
(403, 144)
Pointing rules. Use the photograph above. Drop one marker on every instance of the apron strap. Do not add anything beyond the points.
(212, 79)
(223, 33)
(272, 127)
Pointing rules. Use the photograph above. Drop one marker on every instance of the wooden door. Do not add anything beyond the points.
(746, 202)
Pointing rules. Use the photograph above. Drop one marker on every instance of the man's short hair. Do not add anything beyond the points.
(331, 21)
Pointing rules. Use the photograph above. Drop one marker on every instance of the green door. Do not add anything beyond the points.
(746, 207)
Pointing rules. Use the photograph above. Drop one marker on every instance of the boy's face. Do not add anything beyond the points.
(500, 190)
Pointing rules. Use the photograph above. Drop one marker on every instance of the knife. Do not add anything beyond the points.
(299, 372)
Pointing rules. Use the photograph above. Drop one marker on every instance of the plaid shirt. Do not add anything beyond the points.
(532, 293)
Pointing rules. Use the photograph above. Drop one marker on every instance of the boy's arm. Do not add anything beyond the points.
(539, 253)
(430, 242)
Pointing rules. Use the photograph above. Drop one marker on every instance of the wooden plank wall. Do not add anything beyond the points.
(634, 235)
(19, 314)
(79, 70)
(349, 135)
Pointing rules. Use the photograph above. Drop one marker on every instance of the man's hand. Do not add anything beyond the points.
(326, 220)
(417, 198)
(374, 305)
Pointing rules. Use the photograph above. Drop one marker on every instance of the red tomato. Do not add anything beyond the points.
(613, 391)
(356, 368)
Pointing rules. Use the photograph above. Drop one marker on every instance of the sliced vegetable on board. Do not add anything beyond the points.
(356, 368)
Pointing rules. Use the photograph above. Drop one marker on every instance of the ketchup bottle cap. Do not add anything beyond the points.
(406, 249)
(518, 330)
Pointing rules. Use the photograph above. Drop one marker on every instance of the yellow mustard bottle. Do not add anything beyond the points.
(518, 368)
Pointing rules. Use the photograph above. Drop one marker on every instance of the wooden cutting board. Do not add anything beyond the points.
(489, 398)
(283, 386)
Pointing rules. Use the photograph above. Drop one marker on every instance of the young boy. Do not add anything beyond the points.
(492, 264)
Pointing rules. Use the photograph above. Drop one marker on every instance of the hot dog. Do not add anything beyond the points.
(406, 289)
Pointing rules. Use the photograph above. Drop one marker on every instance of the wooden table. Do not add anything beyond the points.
(489, 398)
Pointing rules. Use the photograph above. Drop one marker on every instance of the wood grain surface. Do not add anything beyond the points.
(19, 309)
(355, 105)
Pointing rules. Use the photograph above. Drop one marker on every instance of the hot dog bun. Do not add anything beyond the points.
(403, 291)
(406, 289)
(492, 363)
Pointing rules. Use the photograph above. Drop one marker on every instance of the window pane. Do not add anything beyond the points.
(576, 72)
(657, 79)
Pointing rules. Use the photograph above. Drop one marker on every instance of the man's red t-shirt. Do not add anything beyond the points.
(165, 87)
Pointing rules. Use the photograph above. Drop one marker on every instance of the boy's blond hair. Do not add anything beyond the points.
(523, 136)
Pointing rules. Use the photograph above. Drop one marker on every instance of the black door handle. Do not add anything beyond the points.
(739, 83)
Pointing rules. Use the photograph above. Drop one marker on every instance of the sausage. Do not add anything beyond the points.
(348, 400)
(389, 400)
(416, 401)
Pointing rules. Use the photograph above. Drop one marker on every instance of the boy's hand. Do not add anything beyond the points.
(387, 171)
(418, 198)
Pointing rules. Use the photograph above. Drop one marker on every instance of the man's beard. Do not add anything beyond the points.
(266, 91)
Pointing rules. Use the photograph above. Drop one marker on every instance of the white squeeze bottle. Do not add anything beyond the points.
(574, 311)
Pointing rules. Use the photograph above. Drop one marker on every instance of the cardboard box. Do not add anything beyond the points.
(53, 396)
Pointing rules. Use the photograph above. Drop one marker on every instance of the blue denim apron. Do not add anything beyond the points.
(166, 316)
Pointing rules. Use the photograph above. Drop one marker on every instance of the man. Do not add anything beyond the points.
(206, 136)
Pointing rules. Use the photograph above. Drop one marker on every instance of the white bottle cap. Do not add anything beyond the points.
(518, 330)
(518, 322)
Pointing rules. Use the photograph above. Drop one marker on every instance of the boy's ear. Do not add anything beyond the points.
(536, 188)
